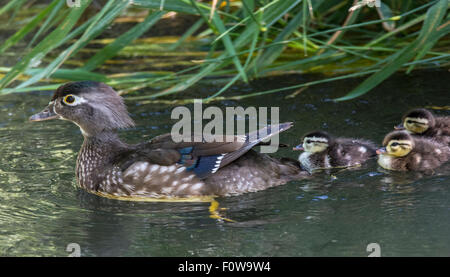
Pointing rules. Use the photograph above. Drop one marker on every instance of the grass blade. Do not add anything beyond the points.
(11, 4)
(271, 53)
(273, 12)
(50, 19)
(110, 11)
(50, 42)
(427, 35)
(113, 48)
(28, 27)
(187, 34)
(229, 46)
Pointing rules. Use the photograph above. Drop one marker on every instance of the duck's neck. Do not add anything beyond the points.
(95, 156)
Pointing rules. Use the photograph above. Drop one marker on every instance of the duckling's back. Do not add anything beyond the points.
(442, 130)
(427, 155)
(349, 152)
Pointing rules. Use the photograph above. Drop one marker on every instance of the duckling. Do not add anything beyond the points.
(160, 168)
(404, 152)
(324, 151)
(421, 122)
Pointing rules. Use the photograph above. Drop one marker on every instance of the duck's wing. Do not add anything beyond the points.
(203, 158)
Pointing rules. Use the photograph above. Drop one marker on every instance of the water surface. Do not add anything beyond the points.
(42, 210)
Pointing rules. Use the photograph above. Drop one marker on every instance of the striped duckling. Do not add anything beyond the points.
(404, 152)
(422, 122)
(321, 150)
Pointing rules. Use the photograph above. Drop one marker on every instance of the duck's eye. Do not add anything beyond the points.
(307, 141)
(409, 122)
(394, 144)
(69, 99)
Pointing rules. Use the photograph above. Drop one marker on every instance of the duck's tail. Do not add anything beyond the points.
(254, 138)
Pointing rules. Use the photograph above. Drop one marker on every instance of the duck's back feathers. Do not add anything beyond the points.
(351, 152)
(206, 158)
(441, 131)
(342, 152)
(428, 154)
(359, 144)
(443, 121)
(253, 172)
(164, 168)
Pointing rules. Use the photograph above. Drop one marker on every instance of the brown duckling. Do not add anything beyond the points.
(421, 122)
(322, 150)
(404, 152)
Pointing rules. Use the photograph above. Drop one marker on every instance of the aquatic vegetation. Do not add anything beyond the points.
(236, 41)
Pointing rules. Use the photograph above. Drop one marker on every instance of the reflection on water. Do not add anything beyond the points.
(42, 210)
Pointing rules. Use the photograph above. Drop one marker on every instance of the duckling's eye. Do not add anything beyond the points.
(409, 122)
(69, 99)
(394, 144)
(307, 141)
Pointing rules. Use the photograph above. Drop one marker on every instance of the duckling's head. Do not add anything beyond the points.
(397, 144)
(417, 121)
(95, 107)
(315, 142)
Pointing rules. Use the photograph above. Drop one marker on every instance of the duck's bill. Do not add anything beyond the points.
(381, 150)
(399, 127)
(298, 148)
(46, 114)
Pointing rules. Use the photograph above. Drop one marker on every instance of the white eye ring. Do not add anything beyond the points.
(72, 100)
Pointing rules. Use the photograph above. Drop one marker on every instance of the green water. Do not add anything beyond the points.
(42, 210)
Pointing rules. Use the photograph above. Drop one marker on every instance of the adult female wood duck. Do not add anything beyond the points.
(159, 168)
(422, 122)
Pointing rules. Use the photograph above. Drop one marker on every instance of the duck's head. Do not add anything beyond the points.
(95, 107)
(417, 121)
(397, 144)
(315, 142)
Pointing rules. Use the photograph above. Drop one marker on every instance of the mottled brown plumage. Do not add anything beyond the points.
(324, 151)
(423, 123)
(160, 167)
(404, 152)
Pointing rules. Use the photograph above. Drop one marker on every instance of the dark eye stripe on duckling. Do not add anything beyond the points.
(399, 144)
(315, 140)
(415, 122)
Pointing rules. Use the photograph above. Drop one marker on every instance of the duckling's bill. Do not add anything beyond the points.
(299, 148)
(399, 127)
(381, 151)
